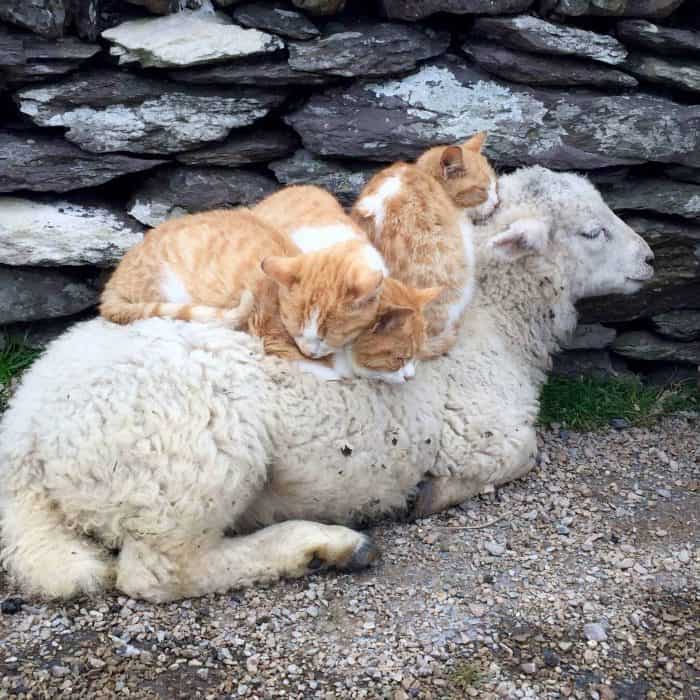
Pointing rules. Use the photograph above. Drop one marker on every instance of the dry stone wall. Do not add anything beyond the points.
(116, 115)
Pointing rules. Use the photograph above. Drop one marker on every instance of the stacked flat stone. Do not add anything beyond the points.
(121, 115)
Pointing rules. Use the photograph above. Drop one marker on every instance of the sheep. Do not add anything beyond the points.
(172, 459)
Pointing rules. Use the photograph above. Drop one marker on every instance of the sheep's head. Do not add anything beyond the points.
(601, 253)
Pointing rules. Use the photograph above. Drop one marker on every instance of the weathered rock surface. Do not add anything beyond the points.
(30, 294)
(45, 17)
(29, 58)
(320, 7)
(277, 18)
(447, 100)
(366, 49)
(533, 69)
(654, 194)
(266, 72)
(679, 325)
(33, 161)
(676, 283)
(413, 10)
(176, 191)
(642, 345)
(164, 7)
(186, 39)
(249, 146)
(61, 232)
(115, 111)
(614, 8)
(640, 32)
(534, 34)
(587, 363)
(591, 336)
(680, 172)
(680, 73)
(345, 180)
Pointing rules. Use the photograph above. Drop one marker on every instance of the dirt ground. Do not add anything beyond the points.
(580, 580)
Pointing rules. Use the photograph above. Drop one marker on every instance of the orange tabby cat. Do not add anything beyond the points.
(417, 216)
(315, 221)
(200, 266)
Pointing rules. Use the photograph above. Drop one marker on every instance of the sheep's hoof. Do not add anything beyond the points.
(424, 501)
(366, 553)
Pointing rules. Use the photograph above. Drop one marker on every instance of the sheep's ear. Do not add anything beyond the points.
(428, 295)
(285, 271)
(451, 162)
(476, 142)
(526, 237)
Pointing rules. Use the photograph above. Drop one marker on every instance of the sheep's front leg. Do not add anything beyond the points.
(438, 493)
(164, 569)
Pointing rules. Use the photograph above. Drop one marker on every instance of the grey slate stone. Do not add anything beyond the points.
(645, 34)
(186, 39)
(447, 100)
(642, 345)
(276, 17)
(654, 194)
(245, 147)
(590, 336)
(320, 7)
(31, 294)
(65, 232)
(176, 190)
(531, 33)
(533, 69)
(413, 10)
(45, 17)
(682, 173)
(679, 325)
(40, 163)
(29, 58)
(265, 72)
(588, 363)
(614, 8)
(116, 111)
(344, 179)
(366, 49)
(681, 73)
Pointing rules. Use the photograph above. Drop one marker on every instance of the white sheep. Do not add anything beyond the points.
(155, 439)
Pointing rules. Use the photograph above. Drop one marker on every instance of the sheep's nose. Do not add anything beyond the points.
(649, 260)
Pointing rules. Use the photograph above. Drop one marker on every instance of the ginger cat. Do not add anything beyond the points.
(417, 216)
(389, 350)
(230, 266)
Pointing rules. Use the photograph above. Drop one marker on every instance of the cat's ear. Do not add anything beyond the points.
(451, 162)
(524, 237)
(285, 271)
(391, 318)
(366, 288)
(476, 142)
(428, 295)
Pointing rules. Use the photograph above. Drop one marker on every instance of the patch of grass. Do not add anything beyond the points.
(465, 676)
(15, 357)
(588, 403)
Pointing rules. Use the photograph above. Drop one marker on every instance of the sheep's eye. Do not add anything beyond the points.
(595, 233)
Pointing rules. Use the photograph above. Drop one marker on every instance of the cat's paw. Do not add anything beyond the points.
(318, 370)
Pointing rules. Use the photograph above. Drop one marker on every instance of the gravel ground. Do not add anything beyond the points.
(579, 581)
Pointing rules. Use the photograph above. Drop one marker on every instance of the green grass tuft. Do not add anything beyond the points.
(588, 403)
(465, 676)
(15, 357)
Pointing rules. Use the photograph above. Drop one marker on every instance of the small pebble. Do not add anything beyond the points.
(594, 631)
(11, 606)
